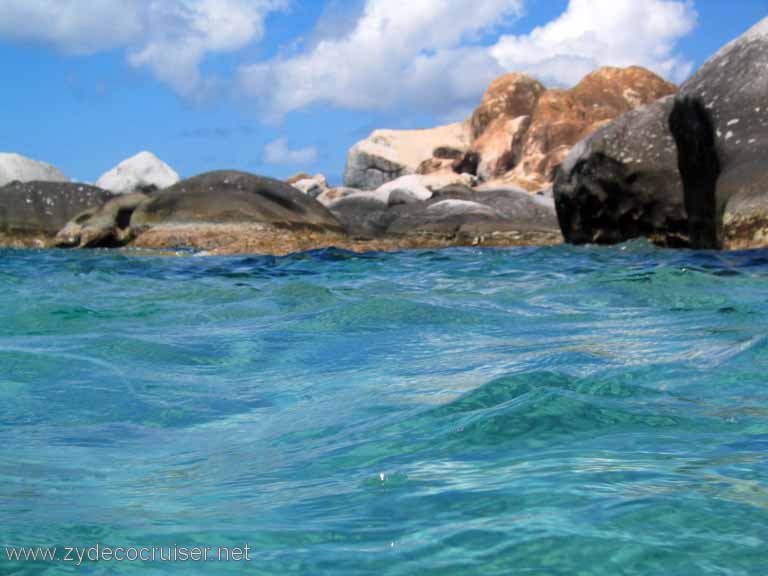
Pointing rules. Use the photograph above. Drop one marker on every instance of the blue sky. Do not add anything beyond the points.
(278, 86)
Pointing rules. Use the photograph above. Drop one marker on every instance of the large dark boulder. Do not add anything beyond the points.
(228, 197)
(732, 87)
(32, 213)
(622, 182)
(230, 212)
(689, 170)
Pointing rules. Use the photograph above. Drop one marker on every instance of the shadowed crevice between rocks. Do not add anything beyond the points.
(692, 128)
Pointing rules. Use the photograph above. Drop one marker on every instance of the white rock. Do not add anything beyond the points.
(407, 189)
(439, 180)
(332, 194)
(419, 187)
(313, 187)
(141, 171)
(758, 31)
(16, 167)
(388, 154)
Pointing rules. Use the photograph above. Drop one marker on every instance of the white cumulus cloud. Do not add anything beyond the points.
(72, 25)
(380, 60)
(169, 37)
(420, 53)
(433, 56)
(279, 153)
(593, 33)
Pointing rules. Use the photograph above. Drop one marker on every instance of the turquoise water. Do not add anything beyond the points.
(548, 411)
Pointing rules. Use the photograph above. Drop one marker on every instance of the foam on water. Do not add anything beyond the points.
(531, 411)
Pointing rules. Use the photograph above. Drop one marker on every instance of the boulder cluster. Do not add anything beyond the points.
(517, 136)
(687, 170)
(623, 154)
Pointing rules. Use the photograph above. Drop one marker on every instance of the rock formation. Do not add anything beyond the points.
(732, 89)
(144, 172)
(500, 123)
(368, 213)
(495, 217)
(332, 194)
(683, 170)
(102, 227)
(313, 186)
(234, 212)
(389, 154)
(32, 213)
(16, 168)
(688, 170)
(622, 182)
(454, 215)
(564, 117)
(517, 136)
(217, 209)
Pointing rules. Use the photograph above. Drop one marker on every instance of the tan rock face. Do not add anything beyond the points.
(521, 139)
(509, 96)
(389, 154)
(521, 131)
(501, 145)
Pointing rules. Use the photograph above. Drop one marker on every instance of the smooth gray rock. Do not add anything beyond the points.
(229, 197)
(364, 214)
(43, 208)
(458, 210)
(370, 171)
(733, 87)
(106, 226)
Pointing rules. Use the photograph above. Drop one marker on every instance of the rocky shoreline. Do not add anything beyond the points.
(689, 170)
(622, 155)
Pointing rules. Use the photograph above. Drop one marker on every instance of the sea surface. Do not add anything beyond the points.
(542, 411)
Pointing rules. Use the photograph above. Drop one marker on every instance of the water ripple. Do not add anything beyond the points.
(553, 410)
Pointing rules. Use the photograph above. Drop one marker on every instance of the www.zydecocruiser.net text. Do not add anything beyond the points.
(98, 553)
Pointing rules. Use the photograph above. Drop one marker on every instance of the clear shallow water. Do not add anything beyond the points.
(535, 411)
